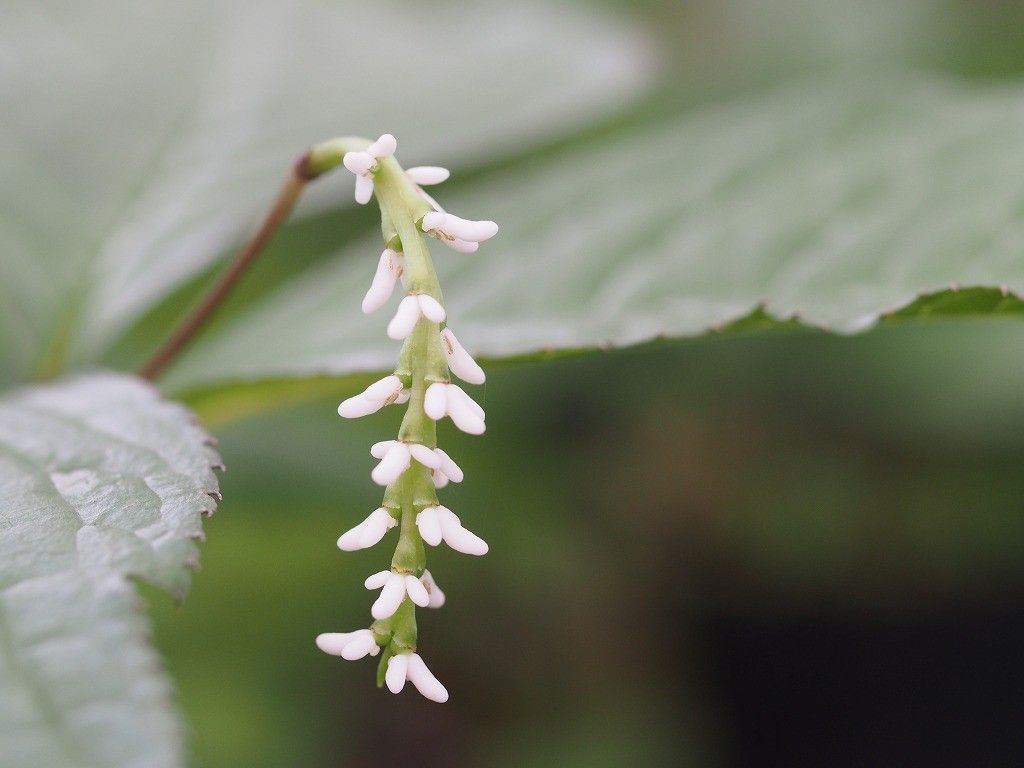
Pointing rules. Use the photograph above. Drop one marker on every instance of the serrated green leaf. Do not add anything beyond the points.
(141, 141)
(831, 204)
(101, 481)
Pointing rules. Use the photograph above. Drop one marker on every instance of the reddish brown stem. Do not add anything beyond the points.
(298, 177)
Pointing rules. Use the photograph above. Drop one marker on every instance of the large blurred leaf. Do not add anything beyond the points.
(138, 139)
(100, 481)
(838, 201)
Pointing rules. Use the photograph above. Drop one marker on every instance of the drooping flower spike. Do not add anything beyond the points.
(412, 466)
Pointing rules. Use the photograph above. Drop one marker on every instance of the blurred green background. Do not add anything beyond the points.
(787, 549)
(792, 549)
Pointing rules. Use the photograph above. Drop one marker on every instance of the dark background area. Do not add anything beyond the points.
(790, 549)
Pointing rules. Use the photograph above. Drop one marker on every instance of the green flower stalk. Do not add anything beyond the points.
(412, 467)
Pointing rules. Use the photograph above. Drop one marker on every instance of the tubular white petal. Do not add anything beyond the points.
(459, 360)
(431, 308)
(425, 175)
(428, 685)
(377, 450)
(358, 405)
(377, 580)
(364, 189)
(465, 541)
(449, 467)
(358, 647)
(358, 162)
(405, 319)
(394, 463)
(334, 642)
(467, 229)
(440, 479)
(417, 592)
(384, 146)
(375, 526)
(377, 296)
(462, 246)
(460, 394)
(424, 455)
(398, 668)
(391, 596)
(464, 417)
(349, 540)
(384, 388)
(435, 400)
(429, 526)
(437, 597)
(403, 397)
(458, 538)
(432, 221)
(383, 283)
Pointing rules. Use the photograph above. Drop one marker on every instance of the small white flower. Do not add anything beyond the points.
(459, 360)
(409, 666)
(440, 523)
(348, 645)
(448, 470)
(396, 456)
(410, 310)
(436, 595)
(394, 460)
(389, 269)
(383, 392)
(393, 589)
(368, 532)
(364, 164)
(461, 234)
(426, 175)
(443, 399)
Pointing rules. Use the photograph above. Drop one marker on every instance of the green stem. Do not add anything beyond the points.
(422, 361)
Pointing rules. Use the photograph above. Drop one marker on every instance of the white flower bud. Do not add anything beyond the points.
(391, 596)
(409, 666)
(450, 400)
(384, 146)
(437, 597)
(379, 394)
(364, 189)
(410, 310)
(450, 227)
(405, 319)
(389, 269)
(425, 456)
(437, 523)
(417, 592)
(393, 462)
(459, 360)
(426, 175)
(368, 532)
(431, 308)
(449, 467)
(429, 526)
(348, 645)
(358, 162)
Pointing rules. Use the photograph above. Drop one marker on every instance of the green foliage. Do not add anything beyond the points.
(735, 166)
(101, 481)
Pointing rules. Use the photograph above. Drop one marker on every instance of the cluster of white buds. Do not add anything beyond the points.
(410, 467)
